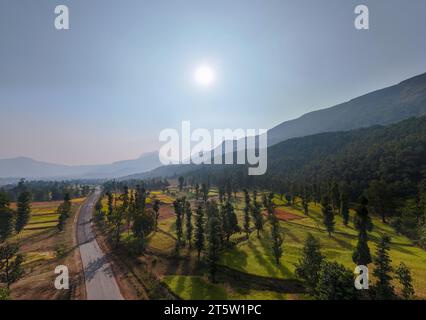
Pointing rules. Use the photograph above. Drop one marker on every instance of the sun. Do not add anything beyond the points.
(205, 76)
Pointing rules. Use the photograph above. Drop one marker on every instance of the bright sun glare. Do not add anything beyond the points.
(204, 76)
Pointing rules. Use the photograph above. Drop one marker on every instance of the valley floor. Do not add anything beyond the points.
(247, 269)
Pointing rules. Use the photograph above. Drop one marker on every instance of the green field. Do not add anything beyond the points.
(43, 217)
(198, 288)
(254, 257)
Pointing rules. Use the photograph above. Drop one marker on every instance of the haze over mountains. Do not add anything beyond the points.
(32, 169)
(382, 107)
(394, 154)
(386, 106)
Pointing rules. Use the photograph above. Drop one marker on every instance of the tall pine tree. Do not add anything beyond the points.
(257, 217)
(363, 224)
(156, 208)
(328, 215)
(178, 206)
(213, 240)
(199, 231)
(277, 238)
(6, 217)
(23, 211)
(305, 200)
(231, 225)
(247, 214)
(189, 228)
(309, 266)
(344, 207)
(383, 288)
(404, 277)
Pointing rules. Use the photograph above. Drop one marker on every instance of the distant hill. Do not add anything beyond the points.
(383, 107)
(395, 154)
(32, 169)
(386, 106)
(145, 162)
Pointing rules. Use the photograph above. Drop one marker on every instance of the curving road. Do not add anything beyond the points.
(99, 277)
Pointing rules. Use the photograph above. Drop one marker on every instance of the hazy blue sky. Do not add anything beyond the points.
(103, 90)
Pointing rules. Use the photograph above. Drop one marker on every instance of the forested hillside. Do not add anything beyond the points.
(382, 107)
(394, 154)
(386, 163)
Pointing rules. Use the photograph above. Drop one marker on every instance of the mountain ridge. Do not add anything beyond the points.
(25, 167)
(380, 107)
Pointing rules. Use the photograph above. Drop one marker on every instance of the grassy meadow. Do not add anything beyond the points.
(254, 257)
(244, 266)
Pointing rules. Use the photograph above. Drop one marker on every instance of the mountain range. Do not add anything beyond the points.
(382, 107)
(32, 169)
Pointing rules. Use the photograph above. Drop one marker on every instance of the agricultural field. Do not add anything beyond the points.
(44, 248)
(251, 261)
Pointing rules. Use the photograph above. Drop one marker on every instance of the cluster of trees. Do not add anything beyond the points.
(406, 215)
(14, 220)
(129, 209)
(410, 218)
(215, 223)
(327, 280)
(207, 226)
(335, 201)
(384, 164)
(48, 190)
(313, 268)
(115, 186)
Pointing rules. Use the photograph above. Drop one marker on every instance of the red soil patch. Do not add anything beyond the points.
(284, 215)
(166, 212)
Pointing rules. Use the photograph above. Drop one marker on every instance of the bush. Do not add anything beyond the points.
(4, 294)
(61, 251)
(335, 282)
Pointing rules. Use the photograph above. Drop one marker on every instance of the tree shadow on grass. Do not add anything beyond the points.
(401, 249)
(180, 285)
(261, 259)
(290, 234)
(342, 243)
(234, 258)
(268, 261)
(204, 290)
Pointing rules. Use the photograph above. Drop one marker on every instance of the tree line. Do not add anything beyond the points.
(48, 190)
(128, 210)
